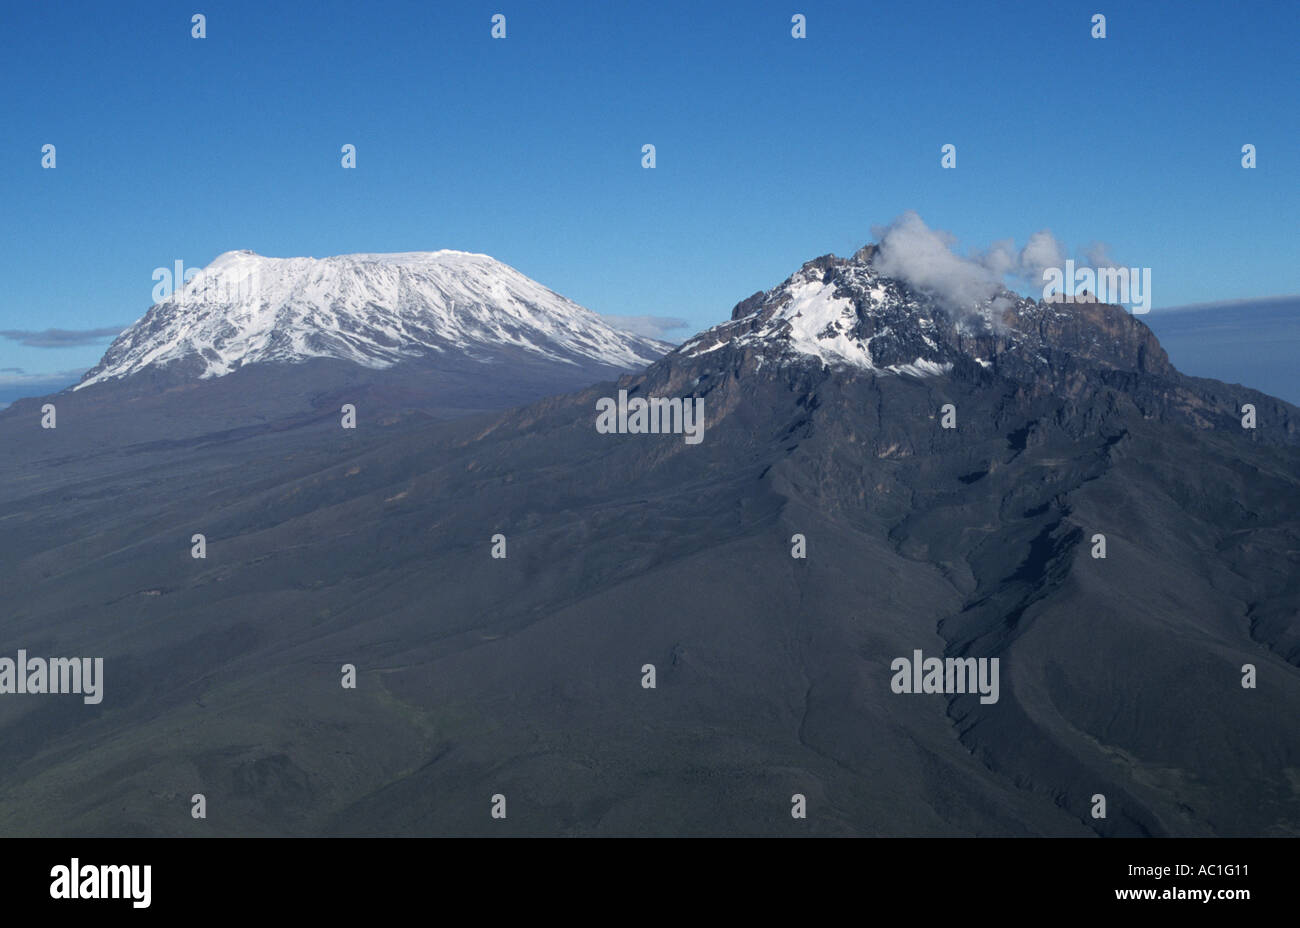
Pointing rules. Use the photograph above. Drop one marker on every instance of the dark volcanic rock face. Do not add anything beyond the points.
(845, 315)
(1120, 676)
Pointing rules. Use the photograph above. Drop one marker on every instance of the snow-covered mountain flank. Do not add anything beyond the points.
(372, 309)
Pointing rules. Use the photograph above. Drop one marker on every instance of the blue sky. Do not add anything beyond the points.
(770, 150)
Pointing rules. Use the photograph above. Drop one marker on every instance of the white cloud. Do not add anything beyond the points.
(924, 258)
(927, 259)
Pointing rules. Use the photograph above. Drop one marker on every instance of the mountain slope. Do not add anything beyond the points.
(522, 676)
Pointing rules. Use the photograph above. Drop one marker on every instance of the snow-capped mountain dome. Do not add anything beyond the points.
(372, 309)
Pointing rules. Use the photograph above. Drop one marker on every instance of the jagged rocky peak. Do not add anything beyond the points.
(371, 309)
(846, 313)
(864, 254)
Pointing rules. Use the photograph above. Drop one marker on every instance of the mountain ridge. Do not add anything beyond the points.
(843, 317)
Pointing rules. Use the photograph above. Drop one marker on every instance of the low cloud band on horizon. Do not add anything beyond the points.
(1280, 299)
(61, 338)
(18, 377)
